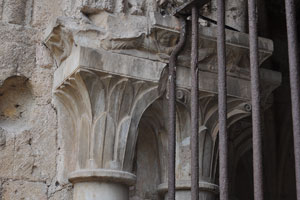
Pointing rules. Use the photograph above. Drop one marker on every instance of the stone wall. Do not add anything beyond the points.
(29, 145)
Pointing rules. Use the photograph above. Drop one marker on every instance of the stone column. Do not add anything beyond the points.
(105, 110)
(95, 184)
(207, 191)
(208, 144)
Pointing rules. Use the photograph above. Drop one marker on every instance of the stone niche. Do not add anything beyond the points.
(15, 103)
(110, 91)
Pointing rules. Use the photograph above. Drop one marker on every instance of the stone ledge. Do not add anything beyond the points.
(83, 58)
(102, 175)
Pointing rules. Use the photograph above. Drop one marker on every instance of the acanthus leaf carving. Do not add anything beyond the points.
(103, 109)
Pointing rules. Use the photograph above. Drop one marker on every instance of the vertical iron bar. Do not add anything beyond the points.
(172, 111)
(222, 101)
(194, 108)
(256, 109)
(294, 83)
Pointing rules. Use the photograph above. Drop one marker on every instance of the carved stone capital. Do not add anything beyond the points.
(105, 110)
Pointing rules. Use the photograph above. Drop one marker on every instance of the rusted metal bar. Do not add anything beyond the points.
(222, 103)
(172, 111)
(294, 83)
(256, 109)
(194, 108)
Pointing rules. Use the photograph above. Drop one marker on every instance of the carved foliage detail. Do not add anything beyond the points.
(159, 42)
(94, 6)
(103, 109)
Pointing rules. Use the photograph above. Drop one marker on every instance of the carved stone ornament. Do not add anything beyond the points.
(105, 110)
(94, 6)
(112, 68)
(154, 38)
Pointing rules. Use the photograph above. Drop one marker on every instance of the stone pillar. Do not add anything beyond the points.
(104, 111)
(101, 184)
(207, 191)
(208, 144)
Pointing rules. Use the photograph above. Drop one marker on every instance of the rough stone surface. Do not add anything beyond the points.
(24, 190)
(28, 121)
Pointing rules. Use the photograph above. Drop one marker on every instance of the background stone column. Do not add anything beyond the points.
(207, 191)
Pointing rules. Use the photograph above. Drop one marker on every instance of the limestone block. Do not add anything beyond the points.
(14, 11)
(43, 57)
(41, 84)
(17, 51)
(6, 154)
(42, 13)
(23, 156)
(24, 190)
(28, 144)
(1, 8)
(43, 122)
(45, 11)
(65, 194)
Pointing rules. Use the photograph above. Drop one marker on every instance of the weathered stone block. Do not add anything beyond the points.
(65, 194)
(17, 51)
(43, 120)
(41, 84)
(43, 57)
(1, 8)
(24, 190)
(14, 11)
(45, 11)
(23, 156)
(6, 154)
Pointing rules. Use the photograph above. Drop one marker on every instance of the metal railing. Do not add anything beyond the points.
(294, 83)
(191, 8)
